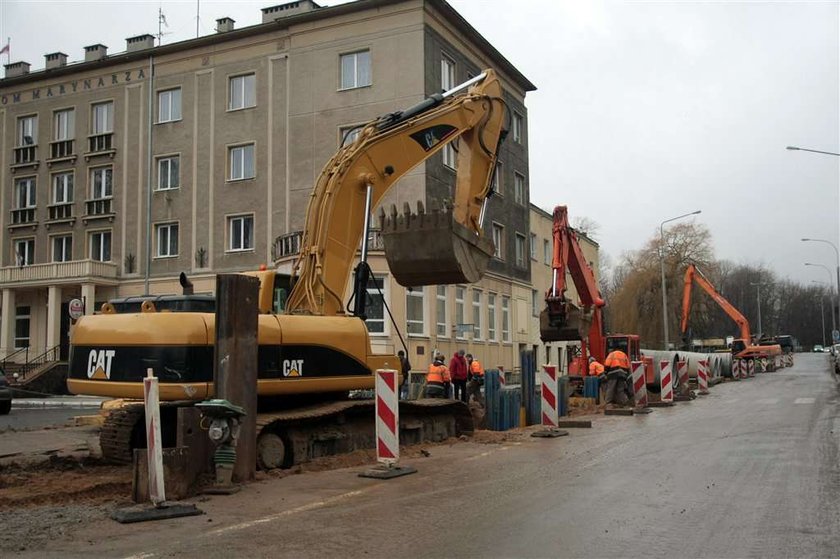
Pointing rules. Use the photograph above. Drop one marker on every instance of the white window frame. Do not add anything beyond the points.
(441, 304)
(358, 77)
(241, 220)
(104, 191)
(242, 149)
(519, 250)
(239, 84)
(348, 134)
(62, 188)
(163, 247)
(372, 291)
(97, 125)
(535, 303)
(491, 317)
(164, 169)
(415, 293)
(460, 310)
(28, 318)
(477, 301)
(532, 246)
(499, 241)
(518, 125)
(66, 248)
(169, 105)
(25, 257)
(447, 72)
(505, 319)
(498, 183)
(547, 256)
(102, 235)
(450, 156)
(64, 124)
(27, 185)
(519, 189)
(27, 127)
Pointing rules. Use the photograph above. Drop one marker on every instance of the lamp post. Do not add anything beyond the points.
(837, 270)
(662, 271)
(822, 312)
(830, 295)
(758, 300)
(795, 148)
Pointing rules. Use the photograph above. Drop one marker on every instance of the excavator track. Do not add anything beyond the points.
(117, 433)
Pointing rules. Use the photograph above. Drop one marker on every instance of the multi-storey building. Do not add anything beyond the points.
(122, 170)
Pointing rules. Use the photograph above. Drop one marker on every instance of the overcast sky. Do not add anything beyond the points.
(644, 110)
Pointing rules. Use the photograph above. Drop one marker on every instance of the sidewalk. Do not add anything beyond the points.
(46, 442)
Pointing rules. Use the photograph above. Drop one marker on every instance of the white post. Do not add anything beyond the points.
(53, 316)
(550, 392)
(666, 381)
(7, 323)
(387, 418)
(89, 297)
(639, 383)
(154, 451)
(703, 376)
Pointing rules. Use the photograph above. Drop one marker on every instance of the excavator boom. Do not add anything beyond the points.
(693, 275)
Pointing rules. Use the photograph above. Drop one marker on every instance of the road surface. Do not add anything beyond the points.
(748, 471)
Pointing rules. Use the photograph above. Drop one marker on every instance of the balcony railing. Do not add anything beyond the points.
(61, 149)
(22, 216)
(100, 206)
(61, 211)
(25, 155)
(100, 142)
(288, 245)
(73, 270)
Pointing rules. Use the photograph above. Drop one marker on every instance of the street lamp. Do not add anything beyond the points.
(662, 271)
(837, 255)
(794, 148)
(758, 297)
(830, 296)
(822, 312)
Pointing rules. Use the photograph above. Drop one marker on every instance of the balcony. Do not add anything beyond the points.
(23, 217)
(287, 246)
(59, 213)
(74, 271)
(100, 208)
(100, 144)
(62, 150)
(25, 156)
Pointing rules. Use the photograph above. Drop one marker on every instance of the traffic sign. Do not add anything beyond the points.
(76, 308)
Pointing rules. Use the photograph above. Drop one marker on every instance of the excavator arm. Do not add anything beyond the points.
(693, 275)
(562, 320)
(452, 247)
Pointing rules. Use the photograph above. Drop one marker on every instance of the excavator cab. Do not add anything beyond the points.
(562, 321)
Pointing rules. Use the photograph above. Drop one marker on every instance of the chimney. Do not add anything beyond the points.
(17, 69)
(288, 9)
(225, 24)
(55, 60)
(140, 42)
(95, 52)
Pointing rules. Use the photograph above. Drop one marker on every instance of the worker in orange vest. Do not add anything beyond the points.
(595, 368)
(436, 378)
(476, 374)
(619, 388)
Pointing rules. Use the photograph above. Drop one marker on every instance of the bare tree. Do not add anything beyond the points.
(586, 225)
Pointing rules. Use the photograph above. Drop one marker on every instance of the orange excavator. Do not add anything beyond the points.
(743, 347)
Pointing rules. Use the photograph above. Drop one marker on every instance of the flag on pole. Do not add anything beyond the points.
(5, 48)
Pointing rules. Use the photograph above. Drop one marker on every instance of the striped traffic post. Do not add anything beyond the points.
(637, 370)
(666, 381)
(387, 409)
(703, 376)
(151, 401)
(750, 367)
(682, 376)
(549, 397)
(737, 367)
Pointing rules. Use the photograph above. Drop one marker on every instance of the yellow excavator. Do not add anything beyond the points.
(313, 350)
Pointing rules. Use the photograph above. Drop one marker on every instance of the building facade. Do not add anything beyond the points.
(121, 171)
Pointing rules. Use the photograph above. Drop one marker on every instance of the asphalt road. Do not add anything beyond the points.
(37, 418)
(748, 471)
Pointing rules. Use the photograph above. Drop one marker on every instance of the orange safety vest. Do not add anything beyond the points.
(595, 369)
(617, 359)
(438, 374)
(476, 369)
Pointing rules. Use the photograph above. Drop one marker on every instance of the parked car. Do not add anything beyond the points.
(5, 395)
(818, 349)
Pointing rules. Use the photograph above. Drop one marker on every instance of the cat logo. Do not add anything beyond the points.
(99, 364)
(293, 367)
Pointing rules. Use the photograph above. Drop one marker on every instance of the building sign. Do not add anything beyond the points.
(76, 309)
(74, 86)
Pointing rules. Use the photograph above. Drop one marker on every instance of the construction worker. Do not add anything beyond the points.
(436, 378)
(405, 369)
(617, 366)
(458, 370)
(595, 368)
(476, 378)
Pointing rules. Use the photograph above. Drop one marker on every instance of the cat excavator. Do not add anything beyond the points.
(312, 349)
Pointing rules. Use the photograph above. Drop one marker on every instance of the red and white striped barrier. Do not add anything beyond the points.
(750, 367)
(502, 381)
(666, 381)
(387, 417)
(736, 369)
(151, 400)
(682, 375)
(703, 376)
(788, 360)
(762, 365)
(549, 394)
(637, 368)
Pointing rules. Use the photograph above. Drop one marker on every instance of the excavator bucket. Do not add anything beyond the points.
(564, 322)
(431, 248)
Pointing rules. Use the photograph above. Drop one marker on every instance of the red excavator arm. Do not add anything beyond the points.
(693, 275)
(562, 320)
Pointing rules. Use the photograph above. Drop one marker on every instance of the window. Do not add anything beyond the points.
(62, 188)
(355, 69)
(21, 327)
(65, 123)
(497, 185)
(100, 246)
(101, 183)
(241, 233)
(533, 246)
(25, 193)
(519, 189)
(491, 317)
(24, 252)
(498, 241)
(348, 135)
(447, 73)
(440, 312)
(62, 248)
(505, 319)
(103, 118)
(520, 250)
(241, 162)
(168, 176)
(375, 308)
(476, 305)
(167, 240)
(243, 92)
(415, 311)
(547, 256)
(450, 156)
(459, 311)
(517, 127)
(169, 105)
(27, 131)
(535, 302)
